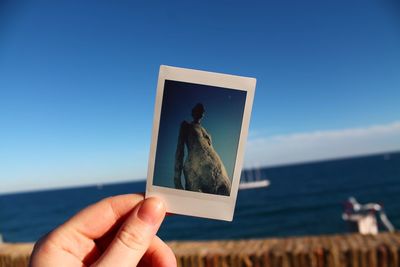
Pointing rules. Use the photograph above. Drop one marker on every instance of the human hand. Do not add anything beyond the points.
(117, 231)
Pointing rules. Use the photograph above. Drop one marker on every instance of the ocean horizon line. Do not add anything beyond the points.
(141, 180)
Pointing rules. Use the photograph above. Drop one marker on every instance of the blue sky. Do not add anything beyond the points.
(78, 79)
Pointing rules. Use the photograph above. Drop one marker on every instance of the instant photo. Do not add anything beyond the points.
(198, 137)
(200, 125)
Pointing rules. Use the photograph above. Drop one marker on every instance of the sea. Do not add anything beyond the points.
(302, 199)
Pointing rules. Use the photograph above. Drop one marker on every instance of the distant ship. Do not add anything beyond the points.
(252, 179)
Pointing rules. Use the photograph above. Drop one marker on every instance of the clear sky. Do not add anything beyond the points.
(78, 80)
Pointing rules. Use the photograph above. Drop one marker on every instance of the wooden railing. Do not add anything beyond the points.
(353, 250)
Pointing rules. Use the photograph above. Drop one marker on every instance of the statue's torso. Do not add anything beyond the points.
(203, 167)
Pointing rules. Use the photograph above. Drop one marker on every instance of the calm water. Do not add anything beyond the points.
(301, 200)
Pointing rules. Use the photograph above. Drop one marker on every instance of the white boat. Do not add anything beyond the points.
(250, 181)
(254, 184)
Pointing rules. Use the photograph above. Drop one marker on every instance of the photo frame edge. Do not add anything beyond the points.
(173, 198)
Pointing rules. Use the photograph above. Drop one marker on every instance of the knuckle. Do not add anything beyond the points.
(45, 246)
(132, 238)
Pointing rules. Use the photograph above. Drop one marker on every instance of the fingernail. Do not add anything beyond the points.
(151, 210)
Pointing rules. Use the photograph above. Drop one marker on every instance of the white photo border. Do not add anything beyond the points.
(195, 203)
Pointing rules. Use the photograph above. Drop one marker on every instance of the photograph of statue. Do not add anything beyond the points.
(200, 127)
(198, 137)
(203, 169)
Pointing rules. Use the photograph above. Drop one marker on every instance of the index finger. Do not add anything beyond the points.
(94, 221)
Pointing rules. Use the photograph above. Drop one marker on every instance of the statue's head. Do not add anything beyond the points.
(198, 112)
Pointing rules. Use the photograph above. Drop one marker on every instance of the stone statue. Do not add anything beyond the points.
(203, 169)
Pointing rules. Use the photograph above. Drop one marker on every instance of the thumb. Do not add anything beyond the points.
(135, 235)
